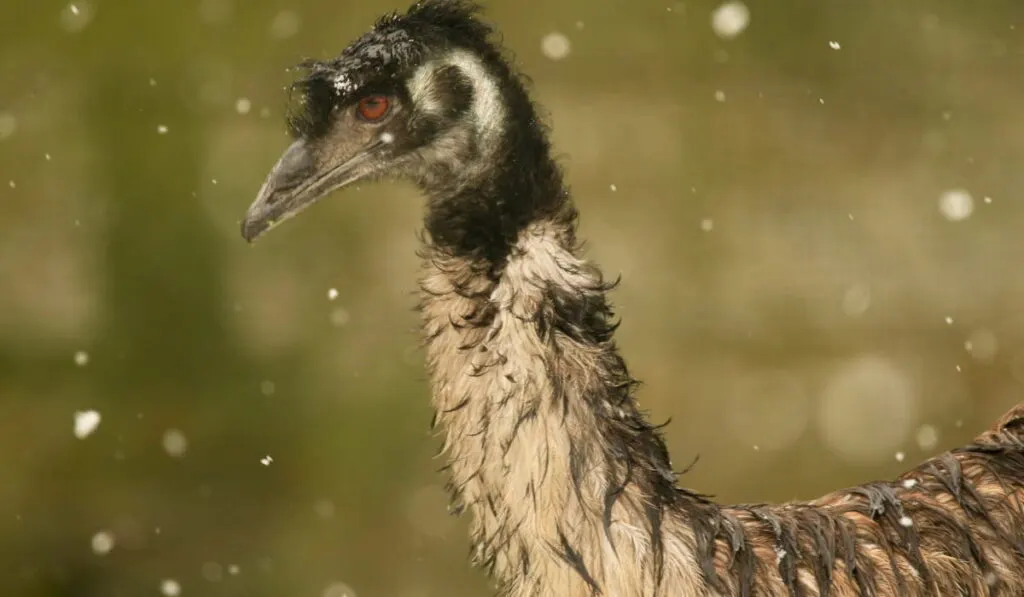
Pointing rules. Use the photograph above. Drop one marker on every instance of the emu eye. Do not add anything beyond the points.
(373, 108)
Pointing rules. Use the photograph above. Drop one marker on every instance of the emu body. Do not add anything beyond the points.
(569, 488)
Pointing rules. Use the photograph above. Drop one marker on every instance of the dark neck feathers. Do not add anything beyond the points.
(517, 182)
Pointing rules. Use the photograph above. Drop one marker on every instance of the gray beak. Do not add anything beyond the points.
(296, 182)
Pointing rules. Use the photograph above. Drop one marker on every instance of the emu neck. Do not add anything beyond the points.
(480, 204)
(569, 489)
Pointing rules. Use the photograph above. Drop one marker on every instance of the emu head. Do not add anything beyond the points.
(418, 97)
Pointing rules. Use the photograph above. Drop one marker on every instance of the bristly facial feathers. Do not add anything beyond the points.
(384, 56)
(570, 489)
(461, 126)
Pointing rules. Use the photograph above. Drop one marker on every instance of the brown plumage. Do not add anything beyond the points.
(569, 488)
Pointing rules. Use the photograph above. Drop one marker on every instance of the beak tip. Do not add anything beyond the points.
(251, 229)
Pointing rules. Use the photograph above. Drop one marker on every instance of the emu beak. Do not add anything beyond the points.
(296, 182)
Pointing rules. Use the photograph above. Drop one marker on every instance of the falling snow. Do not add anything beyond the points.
(102, 543)
(285, 24)
(730, 19)
(956, 205)
(856, 300)
(86, 422)
(927, 437)
(851, 296)
(982, 345)
(340, 316)
(76, 16)
(555, 45)
(851, 400)
(324, 508)
(8, 124)
(339, 589)
(170, 587)
(175, 443)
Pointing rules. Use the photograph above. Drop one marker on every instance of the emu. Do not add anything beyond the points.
(569, 488)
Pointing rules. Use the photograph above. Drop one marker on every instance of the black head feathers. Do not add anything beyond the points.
(382, 57)
(466, 131)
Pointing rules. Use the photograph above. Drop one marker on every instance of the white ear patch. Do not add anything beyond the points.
(423, 91)
(488, 110)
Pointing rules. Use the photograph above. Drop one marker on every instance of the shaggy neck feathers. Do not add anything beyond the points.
(569, 488)
(546, 447)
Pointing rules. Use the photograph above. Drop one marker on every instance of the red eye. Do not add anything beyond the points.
(373, 107)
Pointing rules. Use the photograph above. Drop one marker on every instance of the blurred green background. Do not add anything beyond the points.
(814, 205)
